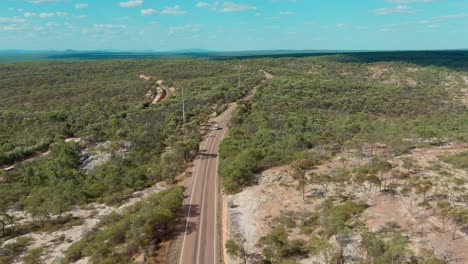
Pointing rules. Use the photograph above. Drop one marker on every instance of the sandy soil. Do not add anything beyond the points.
(464, 96)
(252, 217)
(423, 226)
(457, 86)
(411, 82)
(268, 76)
(418, 224)
(465, 79)
(412, 69)
(145, 77)
(97, 155)
(75, 140)
(160, 94)
(276, 193)
(90, 215)
(377, 71)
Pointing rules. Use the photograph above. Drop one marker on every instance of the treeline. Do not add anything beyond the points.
(324, 104)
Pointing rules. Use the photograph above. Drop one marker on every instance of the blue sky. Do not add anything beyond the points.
(233, 25)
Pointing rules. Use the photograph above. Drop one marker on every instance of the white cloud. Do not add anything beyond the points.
(184, 28)
(227, 7)
(131, 3)
(387, 30)
(287, 13)
(38, 28)
(109, 26)
(149, 12)
(203, 5)
(430, 22)
(81, 6)
(175, 10)
(401, 9)
(9, 28)
(123, 18)
(409, 1)
(99, 29)
(46, 1)
(54, 14)
(15, 20)
(46, 15)
(449, 17)
(29, 14)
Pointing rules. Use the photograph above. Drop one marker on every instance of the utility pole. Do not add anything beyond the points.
(238, 86)
(183, 105)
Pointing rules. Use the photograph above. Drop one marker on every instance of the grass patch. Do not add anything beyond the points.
(459, 160)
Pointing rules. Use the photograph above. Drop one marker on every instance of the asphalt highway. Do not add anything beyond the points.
(200, 242)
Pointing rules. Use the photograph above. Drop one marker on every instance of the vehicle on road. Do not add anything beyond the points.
(216, 127)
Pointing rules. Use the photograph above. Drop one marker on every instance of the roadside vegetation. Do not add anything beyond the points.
(85, 112)
(325, 104)
(139, 230)
(369, 148)
(356, 114)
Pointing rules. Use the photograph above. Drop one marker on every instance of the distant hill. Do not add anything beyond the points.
(450, 58)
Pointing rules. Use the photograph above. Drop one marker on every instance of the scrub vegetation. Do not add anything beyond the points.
(56, 116)
(354, 131)
(46, 106)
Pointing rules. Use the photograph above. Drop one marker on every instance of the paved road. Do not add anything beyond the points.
(201, 240)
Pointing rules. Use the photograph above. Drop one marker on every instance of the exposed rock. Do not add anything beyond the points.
(145, 77)
(149, 96)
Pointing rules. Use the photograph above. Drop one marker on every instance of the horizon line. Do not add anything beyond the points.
(227, 51)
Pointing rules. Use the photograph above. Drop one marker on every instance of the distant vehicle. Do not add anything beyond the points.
(216, 127)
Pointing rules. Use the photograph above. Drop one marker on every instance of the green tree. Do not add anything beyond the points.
(423, 186)
(39, 204)
(235, 247)
(459, 217)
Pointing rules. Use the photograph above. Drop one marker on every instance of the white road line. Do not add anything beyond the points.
(194, 182)
(203, 199)
(202, 211)
(216, 195)
(191, 199)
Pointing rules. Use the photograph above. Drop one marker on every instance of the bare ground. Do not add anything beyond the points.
(90, 215)
(457, 86)
(251, 212)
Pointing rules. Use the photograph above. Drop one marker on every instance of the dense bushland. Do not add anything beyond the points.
(45, 102)
(323, 103)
